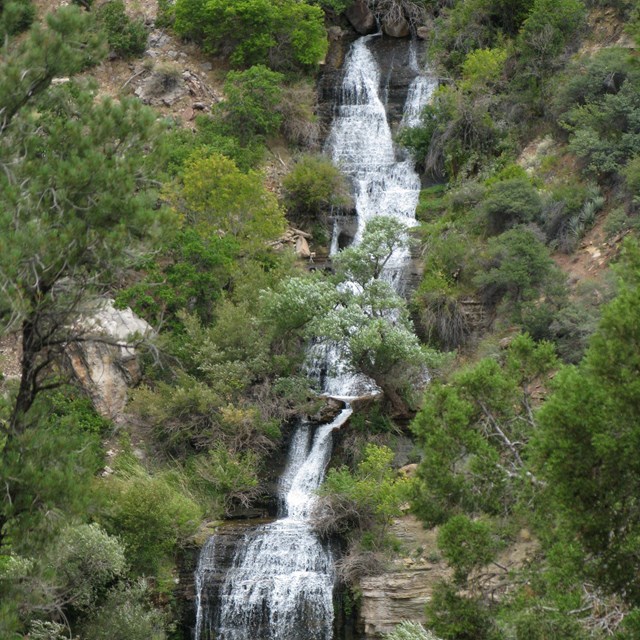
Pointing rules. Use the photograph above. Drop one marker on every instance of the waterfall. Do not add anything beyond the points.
(280, 583)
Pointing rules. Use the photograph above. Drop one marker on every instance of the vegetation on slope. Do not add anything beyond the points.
(97, 196)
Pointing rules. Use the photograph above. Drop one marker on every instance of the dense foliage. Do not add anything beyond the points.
(527, 431)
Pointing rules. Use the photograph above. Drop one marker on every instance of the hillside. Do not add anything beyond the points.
(177, 321)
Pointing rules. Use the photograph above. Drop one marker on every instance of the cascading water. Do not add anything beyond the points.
(280, 583)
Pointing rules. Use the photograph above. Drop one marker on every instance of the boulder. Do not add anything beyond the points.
(397, 28)
(361, 17)
(105, 362)
(302, 248)
(423, 33)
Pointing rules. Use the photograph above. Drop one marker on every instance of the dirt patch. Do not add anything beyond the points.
(593, 256)
(10, 354)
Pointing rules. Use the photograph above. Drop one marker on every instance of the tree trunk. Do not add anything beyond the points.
(28, 383)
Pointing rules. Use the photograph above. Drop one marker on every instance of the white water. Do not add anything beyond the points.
(280, 586)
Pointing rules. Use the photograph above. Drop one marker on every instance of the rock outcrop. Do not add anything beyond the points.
(105, 361)
(399, 28)
(402, 591)
(361, 17)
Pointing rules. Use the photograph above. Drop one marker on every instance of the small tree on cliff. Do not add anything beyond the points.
(74, 191)
(366, 315)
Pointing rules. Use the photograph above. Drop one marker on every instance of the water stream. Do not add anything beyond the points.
(280, 583)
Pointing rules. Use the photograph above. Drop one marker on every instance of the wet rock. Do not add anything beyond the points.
(361, 17)
(397, 28)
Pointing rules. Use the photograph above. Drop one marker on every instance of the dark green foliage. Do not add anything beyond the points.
(64, 45)
(149, 515)
(472, 431)
(211, 136)
(589, 438)
(49, 470)
(251, 98)
(314, 187)
(285, 35)
(509, 203)
(605, 132)
(190, 276)
(166, 14)
(457, 134)
(126, 37)
(477, 24)
(466, 545)
(127, 614)
(15, 16)
(546, 33)
(518, 268)
(454, 617)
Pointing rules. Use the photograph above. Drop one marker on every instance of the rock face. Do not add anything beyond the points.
(397, 28)
(401, 592)
(105, 362)
(361, 17)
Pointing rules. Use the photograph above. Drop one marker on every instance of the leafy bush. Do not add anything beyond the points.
(48, 470)
(603, 121)
(472, 431)
(509, 203)
(126, 614)
(455, 617)
(211, 136)
(166, 14)
(86, 560)
(410, 631)
(251, 100)
(126, 37)
(456, 134)
(315, 186)
(15, 16)
(216, 197)
(366, 500)
(149, 515)
(284, 35)
(592, 416)
(546, 32)
(466, 545)
(589, 78)
(300, 125)
(518, 268)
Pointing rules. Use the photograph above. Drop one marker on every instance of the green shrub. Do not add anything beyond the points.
(15, 16)
(547, 31)
(166, 14)
(211, 136)
(126, 614)
(251, 100)
(603, 121)
(456, 136)
(590, 78)
(631, 175)
(455, 617)
(509, 203)
(150, 516)
(315, 186)
(466, 545)
(126, 37)
(46, 470)
(284, 35)
(518, 268)
(86, 560)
